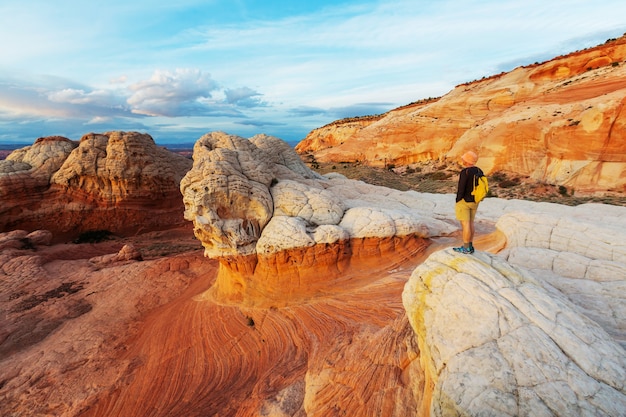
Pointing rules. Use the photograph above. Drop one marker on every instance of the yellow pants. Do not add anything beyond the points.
(465, 210)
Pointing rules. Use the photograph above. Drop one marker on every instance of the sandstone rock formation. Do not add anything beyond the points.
(560, 122)
(546, 313)
(117, 181)
(310, 213)
(579, 252)
(97, 343)
(67, 318)
(327, 296)
(276, 225)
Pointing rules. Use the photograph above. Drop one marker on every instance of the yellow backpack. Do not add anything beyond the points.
(481, 186)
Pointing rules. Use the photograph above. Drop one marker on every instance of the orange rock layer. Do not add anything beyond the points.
(300, 275)
(87, 333)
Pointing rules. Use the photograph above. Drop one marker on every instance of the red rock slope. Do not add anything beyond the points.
(562, 122)
(86, 334)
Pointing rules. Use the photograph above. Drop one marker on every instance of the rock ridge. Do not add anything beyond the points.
(559, 122)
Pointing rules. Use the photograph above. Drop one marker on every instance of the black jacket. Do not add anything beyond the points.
(466, 184)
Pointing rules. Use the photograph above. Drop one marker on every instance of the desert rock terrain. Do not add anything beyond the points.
(117, 181)
(348, 301)
(241, 282)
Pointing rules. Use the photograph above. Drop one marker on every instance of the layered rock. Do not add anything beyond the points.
(560, 122)
(277, 227)
(108, 335)
(328, 297)
(25, 177)
(69, 312)
(19, 239)
(118, 181)
(90, 330)
(468, 367)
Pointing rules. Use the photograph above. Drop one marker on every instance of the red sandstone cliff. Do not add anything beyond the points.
(561, 122)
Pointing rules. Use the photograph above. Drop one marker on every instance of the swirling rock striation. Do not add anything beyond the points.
(90, 331)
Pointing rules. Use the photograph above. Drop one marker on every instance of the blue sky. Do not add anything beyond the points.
(179, 69)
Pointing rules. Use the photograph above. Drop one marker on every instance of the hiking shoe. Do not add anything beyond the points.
(463, 249)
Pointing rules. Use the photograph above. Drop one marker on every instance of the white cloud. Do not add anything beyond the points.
(99, 120)
(39, 99)
(169, 93)
(78, 96)
(122, 79)
(243, 96)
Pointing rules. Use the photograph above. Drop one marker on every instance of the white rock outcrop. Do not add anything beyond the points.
(538, 329)
(256, 196)
(579, 250)
(535, 330)
(313, 205)
(496, 340)
(43, 158)
(227, 192)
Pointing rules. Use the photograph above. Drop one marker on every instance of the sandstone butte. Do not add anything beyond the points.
(117, 181)
(314, 295)
(562, 122)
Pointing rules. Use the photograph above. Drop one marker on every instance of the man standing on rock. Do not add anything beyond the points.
(466, 205)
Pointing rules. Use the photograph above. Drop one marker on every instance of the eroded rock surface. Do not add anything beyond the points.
(236, 188)
(90, 331)
(537, 329)
(328, 297)
(495, 340)
(269, 219)
(579, 250)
